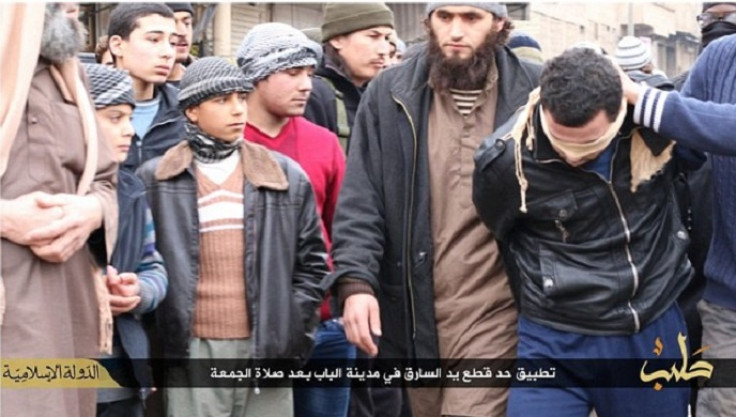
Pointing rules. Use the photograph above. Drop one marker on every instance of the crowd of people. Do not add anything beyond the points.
(333, 193)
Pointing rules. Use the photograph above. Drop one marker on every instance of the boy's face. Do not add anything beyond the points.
(115, 122)
(148, 53)
(285, 93)
(222, 117)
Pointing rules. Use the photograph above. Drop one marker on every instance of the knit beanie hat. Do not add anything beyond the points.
(519, 39)
(498, 9)
(632, 54)
(345, 18)
(109, 86)
(181, 7)
(524, 46)
(314, 34)
(273, 47)
(208, 77)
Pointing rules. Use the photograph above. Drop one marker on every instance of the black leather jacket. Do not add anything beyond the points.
(590, 256)
(285, 255)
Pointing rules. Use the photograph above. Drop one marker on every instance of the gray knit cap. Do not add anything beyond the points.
(498, 9)
(109, 86)
(273, 47)
(208, 77)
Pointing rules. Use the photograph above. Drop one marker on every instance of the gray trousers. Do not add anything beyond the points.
(719, 332)
(224, 402)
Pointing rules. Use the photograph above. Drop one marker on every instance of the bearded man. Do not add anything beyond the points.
(58, 210)
(409, 249)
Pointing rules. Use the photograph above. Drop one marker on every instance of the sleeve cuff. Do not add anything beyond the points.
(350, 286)
(147, 296)
(649, 108)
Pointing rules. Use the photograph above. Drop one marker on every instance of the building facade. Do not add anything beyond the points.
(668, 27)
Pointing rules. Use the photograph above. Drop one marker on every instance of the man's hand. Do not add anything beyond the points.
(124, 291)
(631, 89)
(63, 237)
(22, 215)
(362, 320)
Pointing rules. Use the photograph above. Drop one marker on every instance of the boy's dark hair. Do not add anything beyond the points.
(577, 85)
(124, 17)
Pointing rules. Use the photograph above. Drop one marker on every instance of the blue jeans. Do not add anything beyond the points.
(330, 343)
(537, 341)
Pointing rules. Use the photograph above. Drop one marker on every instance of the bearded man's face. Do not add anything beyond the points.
(462, 46)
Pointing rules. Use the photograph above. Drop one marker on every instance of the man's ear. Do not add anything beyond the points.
(192, 113)
(498, 24)
(338, 42)
(115, 44)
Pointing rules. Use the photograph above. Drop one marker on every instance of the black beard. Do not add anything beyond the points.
(457, 73)
(62, 37)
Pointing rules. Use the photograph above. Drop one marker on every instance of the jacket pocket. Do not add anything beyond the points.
(578, 286)
(553, 216)
(561, 207)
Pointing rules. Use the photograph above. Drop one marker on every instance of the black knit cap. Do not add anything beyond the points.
(209, 77)
(181, 7)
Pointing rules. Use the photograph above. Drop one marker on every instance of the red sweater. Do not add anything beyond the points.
(318, 152)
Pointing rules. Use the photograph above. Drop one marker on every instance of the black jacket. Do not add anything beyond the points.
(381, 228)
(285, 256)
(590, 256)
(322, 107)
(127, 257)
(166, 130)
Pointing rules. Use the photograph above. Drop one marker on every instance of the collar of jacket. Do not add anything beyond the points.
(330, 69)
(260, 168)
(169, 107)
(543, 150)
(510, 76)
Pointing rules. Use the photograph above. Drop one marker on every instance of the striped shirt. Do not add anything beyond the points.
(465, 99)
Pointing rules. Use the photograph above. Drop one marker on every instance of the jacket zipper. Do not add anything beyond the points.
(627, 231)
(407, 248)
(630, 258)
(139, 140)
(254, 315)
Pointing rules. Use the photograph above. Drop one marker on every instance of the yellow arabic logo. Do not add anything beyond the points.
(698, 369)
(54, 373)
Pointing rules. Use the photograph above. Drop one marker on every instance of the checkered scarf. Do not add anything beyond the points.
(206, 148)
(273, 47)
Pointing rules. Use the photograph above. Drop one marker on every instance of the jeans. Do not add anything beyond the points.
(330, 343)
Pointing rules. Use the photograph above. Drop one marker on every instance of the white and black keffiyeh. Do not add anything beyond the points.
(273, 47)
(210, 77)
(109, 86)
